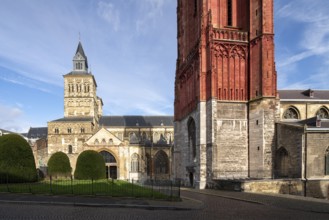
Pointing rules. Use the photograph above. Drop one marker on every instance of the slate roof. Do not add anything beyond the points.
(40, 132)
(73, 119)
(3, 131)
(304, 94)
(136, 121)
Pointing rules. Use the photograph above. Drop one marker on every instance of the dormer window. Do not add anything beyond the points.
(78, 66)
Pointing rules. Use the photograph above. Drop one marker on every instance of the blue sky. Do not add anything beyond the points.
(131, 49)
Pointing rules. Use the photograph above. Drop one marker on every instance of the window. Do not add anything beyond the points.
(161, 163)
(195, 8)
(135, 163)
(82, 130)
(69, 130)
(323, 113)
(103, 141)
(70, 150)
(191, 137)
(56, 130)
(282, 162)
(229, 12)
(148, 164)
(96, 141)
(111, 141)
(291, 113)
(327, 162)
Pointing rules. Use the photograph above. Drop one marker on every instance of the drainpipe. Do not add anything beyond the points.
(304, 179)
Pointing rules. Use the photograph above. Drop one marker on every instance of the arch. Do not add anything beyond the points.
(110, 163)
(135, 163)
(323, 113)
(282, 157)
(161, 162)
(326, 162)
(191, 129)
(108, 157)
(291, 113)
(96, 141)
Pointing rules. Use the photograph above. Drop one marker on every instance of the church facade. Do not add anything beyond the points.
(231, 123)
(134, 147)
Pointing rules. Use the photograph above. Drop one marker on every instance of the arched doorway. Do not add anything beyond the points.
(111, 165)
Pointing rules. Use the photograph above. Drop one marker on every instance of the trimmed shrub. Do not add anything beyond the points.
(16, 160)
(90, 165)
(59, 165)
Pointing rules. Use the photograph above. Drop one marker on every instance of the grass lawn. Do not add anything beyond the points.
(117, 188)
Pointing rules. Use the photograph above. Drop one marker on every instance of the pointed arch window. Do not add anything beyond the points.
(135, 163)
(161, 163)
(291, 113)
(191, 137)
(327, 162)
(229, 13)
(282, 162)
(323, 113)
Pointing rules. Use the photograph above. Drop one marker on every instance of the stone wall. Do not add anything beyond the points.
(191, 171)
(262, 116)
(290, 138)
(317, 144)
(231, 140)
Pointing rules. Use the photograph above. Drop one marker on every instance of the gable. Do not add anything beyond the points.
(103, 137)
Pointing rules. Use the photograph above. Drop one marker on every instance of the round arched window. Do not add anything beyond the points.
(291, 113)
(323, 113)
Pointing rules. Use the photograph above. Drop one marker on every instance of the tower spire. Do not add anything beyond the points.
(80, 61)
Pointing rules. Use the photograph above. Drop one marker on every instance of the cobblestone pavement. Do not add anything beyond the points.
(207, 204)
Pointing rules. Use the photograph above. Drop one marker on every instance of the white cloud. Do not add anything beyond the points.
(12, 118)
(109, 13)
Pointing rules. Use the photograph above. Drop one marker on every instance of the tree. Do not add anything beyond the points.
(90, 165)
(16, 160)
(59, 165)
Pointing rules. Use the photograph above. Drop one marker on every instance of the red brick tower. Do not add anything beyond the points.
(225, 90)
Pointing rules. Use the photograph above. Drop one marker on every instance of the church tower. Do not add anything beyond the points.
(225, 90)
(80, 99)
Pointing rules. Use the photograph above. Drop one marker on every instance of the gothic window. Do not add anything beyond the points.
(156, 137)
(161, 163)
(323, 113)
(282, 162)
(70, 150)
(103, 141)
(195, 8)
(108, 157)
(291, 113)
(135, 163)
(191, 137)
(144, 136)
(96, 141)
(133, 139)
(229, 12)
(327, 162)
(148, 164)
(69, 130)
(111, 141)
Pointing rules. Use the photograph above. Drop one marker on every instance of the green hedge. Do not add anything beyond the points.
(59, 165)
(16, 160)
(90, 165)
